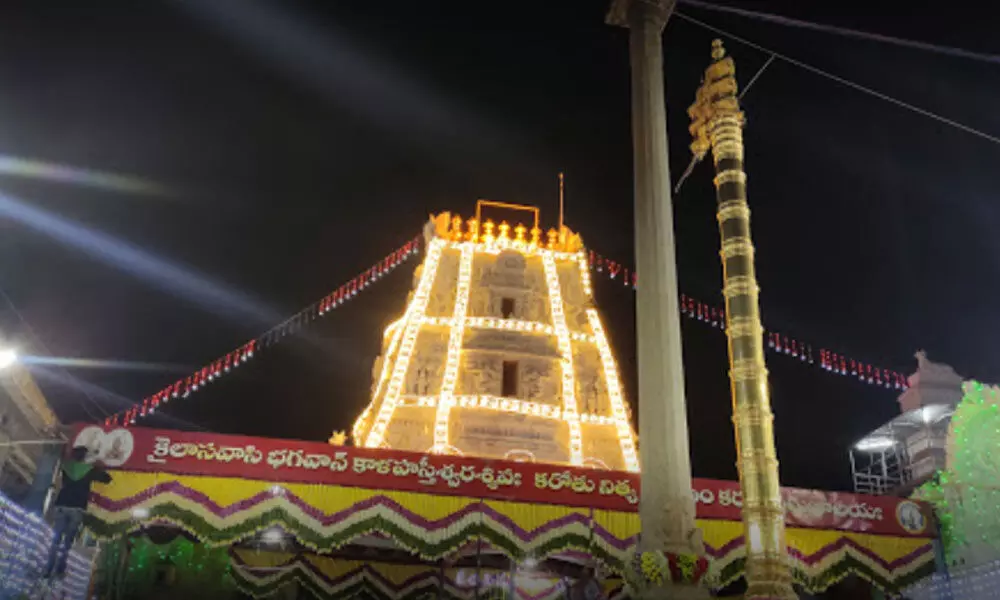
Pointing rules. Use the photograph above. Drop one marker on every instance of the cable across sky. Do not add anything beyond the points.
(844, 31)
(843, 81)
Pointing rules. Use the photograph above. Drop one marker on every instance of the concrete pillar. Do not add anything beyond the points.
(666, 509)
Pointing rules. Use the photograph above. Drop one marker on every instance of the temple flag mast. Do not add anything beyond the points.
(717, 124)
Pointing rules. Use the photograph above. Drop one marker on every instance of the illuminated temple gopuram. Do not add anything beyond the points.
(500, 352)
(471, 473)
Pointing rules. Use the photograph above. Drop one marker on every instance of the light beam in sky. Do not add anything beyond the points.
(173, 279)
(117, 402)
(111, 365)
(331, 61)
(56, 173)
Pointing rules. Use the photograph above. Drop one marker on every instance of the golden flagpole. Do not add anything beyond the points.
(717, 124)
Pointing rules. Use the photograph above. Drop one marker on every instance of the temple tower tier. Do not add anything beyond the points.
(500, 353)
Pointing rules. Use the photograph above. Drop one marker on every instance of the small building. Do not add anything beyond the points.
(26, 477)
(941, 449)
(902, 454)
(25, 416)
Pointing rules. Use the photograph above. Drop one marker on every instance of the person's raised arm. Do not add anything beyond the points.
(102, 476)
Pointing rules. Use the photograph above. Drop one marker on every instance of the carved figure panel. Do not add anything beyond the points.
(423, 377)
(570, 284)
(537, 308)
(575, 302)
(518, 299)
(426, 378)
(512, 341)
(480, 374)
(411, 429)
(480, 300)
(591, 387)
(592, 394)
(508, 270)
(482, 267)
(441, 302)
(539, 382)
(480, 433)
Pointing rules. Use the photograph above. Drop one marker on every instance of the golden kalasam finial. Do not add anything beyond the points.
(519, 233)
(536, 236)
(718, 51)
(473, 234)
(488, 231)
(452, 227)
(440, 224)
(716, 97)
(553, 236)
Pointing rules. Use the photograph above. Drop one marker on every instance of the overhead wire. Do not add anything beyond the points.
(848, 32)
(843, 81)
(756, 76)
(695, 159)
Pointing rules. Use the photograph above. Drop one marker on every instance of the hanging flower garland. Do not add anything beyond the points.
(183, 388)
(778, 343)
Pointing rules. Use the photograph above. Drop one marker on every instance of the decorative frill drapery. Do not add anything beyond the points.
(223, 511)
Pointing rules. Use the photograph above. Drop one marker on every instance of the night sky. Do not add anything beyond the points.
(289, 147)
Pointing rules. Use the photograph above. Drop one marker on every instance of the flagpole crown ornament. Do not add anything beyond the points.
(718, 50)
(716, 98)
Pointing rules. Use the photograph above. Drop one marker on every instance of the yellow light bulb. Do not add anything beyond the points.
(488, 232)
(536, 237)
(625, 435)
(454, 345)
(566, 351)
(519, 235)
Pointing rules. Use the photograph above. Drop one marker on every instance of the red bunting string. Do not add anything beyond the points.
(777, 343)
(183, 388)
(690, 307)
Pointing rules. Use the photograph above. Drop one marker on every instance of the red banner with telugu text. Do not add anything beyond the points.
(291, 461)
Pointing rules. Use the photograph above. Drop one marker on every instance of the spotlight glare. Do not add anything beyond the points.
(8, 356)
(272, 536)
